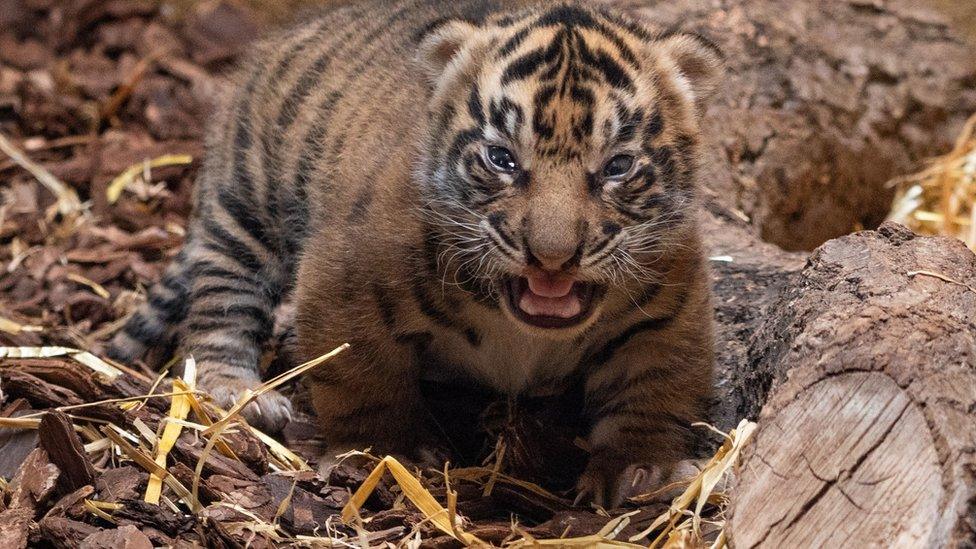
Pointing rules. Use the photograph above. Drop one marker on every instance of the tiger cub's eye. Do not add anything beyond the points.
(618, 166)
(502, 159)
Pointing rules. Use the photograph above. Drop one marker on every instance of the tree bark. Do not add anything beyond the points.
(823, 103)
(868, 435)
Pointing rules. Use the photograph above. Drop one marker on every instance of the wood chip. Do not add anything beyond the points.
(64, 532)
(66, 451)
(35, 481)
(124, 537)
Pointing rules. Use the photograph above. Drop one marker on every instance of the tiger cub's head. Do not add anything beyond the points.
(561, 155)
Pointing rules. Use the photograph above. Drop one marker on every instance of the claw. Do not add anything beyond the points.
(580, 497)
(269, 413)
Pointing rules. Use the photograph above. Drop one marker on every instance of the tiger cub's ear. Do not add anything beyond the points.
(441, 45)
(699, 61)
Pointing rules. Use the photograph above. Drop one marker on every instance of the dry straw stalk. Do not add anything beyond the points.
(941, 200)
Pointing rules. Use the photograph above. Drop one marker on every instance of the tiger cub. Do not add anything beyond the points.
(494, 192)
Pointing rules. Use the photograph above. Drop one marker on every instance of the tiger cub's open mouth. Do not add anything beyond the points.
(547, 301)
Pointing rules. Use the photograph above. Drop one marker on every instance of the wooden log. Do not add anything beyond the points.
(867, 437)
(748, 275)
(822, 104)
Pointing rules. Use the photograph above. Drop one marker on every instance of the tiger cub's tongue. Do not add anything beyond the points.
(550, 296)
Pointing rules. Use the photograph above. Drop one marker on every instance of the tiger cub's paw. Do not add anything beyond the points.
(270, 412)
(610, 486)
(423, 456)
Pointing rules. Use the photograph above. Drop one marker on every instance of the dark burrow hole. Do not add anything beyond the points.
(823, 191)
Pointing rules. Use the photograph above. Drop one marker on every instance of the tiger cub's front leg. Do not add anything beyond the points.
(645, 387)
(369, 397)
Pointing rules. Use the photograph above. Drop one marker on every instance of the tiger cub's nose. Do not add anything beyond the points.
(554, 259)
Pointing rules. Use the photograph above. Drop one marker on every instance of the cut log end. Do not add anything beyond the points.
(850, 462)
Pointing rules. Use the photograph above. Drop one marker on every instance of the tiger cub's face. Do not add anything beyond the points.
(560, 164)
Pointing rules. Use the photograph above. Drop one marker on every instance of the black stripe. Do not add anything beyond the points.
(202, 269)
(174, 278)
(395, 24)
(244, 213)
(499, 113)
(360, 207)
(294, 214)
(253, 336)
(429, 308)
(630, 25)
(610, 228)
(420, 341)
(502, 248)
(612, 72)
(141, 329)
(529, 63)
(474, 339)
(475, 109)
(430, 27)
(605, 353)
(663, 158)
(441, 122)
(541, 124)
(240, 312)
(478, 287)
(654, 126)
(513, 43)
(631, 123)
(461, 141)
(599, 248)
(242, 182)
(314, 143)
(224, 290)
(497, 221)
(271, 138)
(566, 15)
(609, 398)
(648, 293)
(385, 304)
(624, 210)
(624, 408)
(226, 353)
(230, 246)
(577, 17)
(486, 183)
(605, 395)
(169, 309)
(296, 96)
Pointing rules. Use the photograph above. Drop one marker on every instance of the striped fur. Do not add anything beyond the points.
(350, 168)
